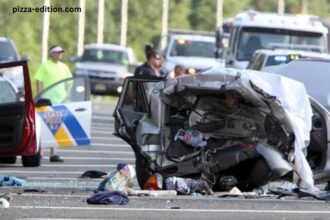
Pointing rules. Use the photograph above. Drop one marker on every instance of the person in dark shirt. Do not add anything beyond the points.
(153, 64)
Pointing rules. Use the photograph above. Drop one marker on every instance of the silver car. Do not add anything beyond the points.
(219, 126)
(106, 65)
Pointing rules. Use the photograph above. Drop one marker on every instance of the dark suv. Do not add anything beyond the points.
(8, 50)
(8, 53)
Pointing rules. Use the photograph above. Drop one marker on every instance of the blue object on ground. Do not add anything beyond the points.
(11, 181)
(109, 198)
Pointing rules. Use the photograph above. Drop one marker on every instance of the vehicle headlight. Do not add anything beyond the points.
(191, 70)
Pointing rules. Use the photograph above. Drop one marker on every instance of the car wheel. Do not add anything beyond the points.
(8, 160)
(143, 171)
(260, 174)
(32, 160)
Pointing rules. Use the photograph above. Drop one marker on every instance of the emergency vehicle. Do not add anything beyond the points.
(254, 30)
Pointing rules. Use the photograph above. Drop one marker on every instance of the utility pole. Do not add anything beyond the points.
(81, 27)
(280, 7)
(100, 22)
(164, 24)
(219, 14)
(45, 33)
(123, 33)
(304, 7)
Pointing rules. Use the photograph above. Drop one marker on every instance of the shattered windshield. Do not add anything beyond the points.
(252, 39)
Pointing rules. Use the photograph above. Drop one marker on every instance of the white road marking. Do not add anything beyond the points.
(109, 145)
(177, 210)
(178, 198)
(103, 128)
(92, 151)
(101, 132)
(106, 118)
(78, 165)
(107, 138)
(55, 219)
(66, 165)
(63, 178)
(94, 158)
(39, 172)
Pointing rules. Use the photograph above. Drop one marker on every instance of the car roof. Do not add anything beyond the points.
(5, 39)
(313, 73)
(193, 37)
(106, 47)
(299, 22)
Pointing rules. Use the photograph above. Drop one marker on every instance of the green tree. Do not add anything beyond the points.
(144, 21)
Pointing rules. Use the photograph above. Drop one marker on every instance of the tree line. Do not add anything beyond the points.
(144, 21)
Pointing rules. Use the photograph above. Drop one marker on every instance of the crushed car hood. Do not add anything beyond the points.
(285, 98)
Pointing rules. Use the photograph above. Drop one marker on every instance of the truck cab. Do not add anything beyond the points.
(254, 30)
(193, 50)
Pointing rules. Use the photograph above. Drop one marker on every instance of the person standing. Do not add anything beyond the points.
(48, 73)
(179, 70)
(152, 67)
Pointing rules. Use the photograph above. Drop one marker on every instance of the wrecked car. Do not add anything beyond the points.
(228, 127)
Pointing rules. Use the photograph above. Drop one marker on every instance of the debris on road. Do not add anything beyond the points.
(112, 197)
(187, 186)
(11, 181)
(120, 179)
(94, 174)
(141, 193)
(4, 203)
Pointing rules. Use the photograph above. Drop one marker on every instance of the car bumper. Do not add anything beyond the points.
(103, 86)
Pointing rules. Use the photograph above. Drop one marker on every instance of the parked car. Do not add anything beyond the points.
(267, 57)
(220, 124)
(24, 130)
(9, 53)
(107, 65)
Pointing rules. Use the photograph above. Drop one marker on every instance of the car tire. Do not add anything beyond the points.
(143, 171)
(260, 174)
(8, 160)
(32, 160)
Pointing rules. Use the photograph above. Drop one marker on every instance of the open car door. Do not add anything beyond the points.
(65, 112)
(134, 104)
(132, 116)
(17, 114)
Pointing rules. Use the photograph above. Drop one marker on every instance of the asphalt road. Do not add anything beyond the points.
(55, 191)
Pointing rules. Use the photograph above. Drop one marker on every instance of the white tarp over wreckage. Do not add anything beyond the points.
(294, 99)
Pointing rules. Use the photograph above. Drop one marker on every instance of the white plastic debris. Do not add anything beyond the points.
(4, 203)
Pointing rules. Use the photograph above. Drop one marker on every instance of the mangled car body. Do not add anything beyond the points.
(229, 127)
